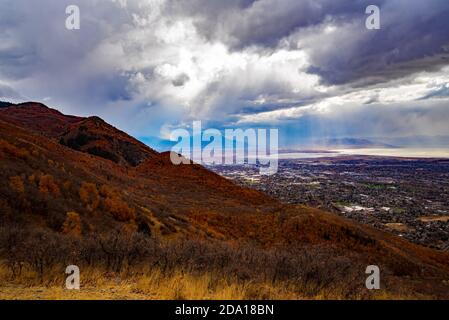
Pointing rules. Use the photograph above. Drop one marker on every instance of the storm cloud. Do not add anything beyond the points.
(302, 65)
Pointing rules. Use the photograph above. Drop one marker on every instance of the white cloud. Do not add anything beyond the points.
(147, 65)
(407, 103)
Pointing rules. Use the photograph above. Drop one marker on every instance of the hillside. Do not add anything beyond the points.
(80, 178)
(38, 118)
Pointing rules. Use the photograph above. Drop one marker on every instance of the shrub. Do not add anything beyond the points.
(44, 250)
(12, 150)
(119, 209)
(72, 224)
(106, 191)
(310, 271)
(12, 249)
(47, 185)
(89, 196)
(67, 185)
(16, 184)
(115, 205)
(32, 179)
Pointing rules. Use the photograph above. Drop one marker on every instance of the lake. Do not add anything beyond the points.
(383, 152)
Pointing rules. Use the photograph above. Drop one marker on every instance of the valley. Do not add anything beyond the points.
(406, 196)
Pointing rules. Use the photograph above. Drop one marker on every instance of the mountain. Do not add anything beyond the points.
(96, 137)
(345, 143)
(417, 141)
(80, 150)
(38, 118)
(355, 143)
(91, 135)
(81, 176)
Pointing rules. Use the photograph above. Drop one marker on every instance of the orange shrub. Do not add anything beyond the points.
(119, 209)
(47, 185)
(67, 185)
(32, 178)
(72, 224)
(12, 150)
(89, 195)
(106, 191)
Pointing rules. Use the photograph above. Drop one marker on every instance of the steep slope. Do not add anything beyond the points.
(157, 192)
(90, 135)
(46, 184)
(96, 137)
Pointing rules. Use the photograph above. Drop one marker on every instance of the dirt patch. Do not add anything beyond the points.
(434, 219)
(398, 227)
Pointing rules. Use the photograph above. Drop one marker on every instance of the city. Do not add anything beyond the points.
(408, 197)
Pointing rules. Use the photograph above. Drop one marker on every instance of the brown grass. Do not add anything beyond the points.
(153, 284)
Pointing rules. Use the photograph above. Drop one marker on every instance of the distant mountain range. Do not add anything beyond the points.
(334, 143)
(343, 143)
(417, 141)
(371, 143)
(162, 145)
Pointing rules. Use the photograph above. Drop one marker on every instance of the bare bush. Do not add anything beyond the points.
(44, 250)
(12, 239)
(312, 269)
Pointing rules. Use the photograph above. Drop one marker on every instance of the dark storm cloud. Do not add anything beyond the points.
(264, 22)
(410, 31)
(223, 60)
(46, 59)
(413, 38)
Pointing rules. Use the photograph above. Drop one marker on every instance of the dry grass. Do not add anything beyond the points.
(152, 285)
(155, 285)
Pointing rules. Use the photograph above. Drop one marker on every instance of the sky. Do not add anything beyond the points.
(307, 67)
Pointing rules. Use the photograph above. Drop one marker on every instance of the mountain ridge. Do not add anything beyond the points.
(87, 134)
